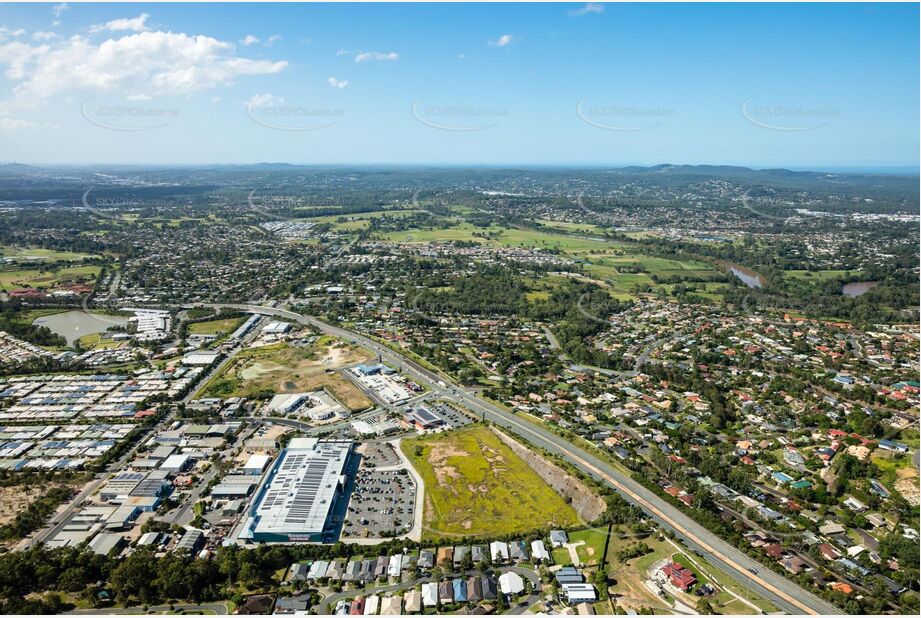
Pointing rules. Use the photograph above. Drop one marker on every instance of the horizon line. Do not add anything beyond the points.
(896, 168)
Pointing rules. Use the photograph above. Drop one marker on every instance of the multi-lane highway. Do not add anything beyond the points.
(782, 592)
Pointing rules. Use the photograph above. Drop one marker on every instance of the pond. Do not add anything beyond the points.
(858, 288)
(75, 324)
(748, 276)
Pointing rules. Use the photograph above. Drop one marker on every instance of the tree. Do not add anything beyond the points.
(600, 579)
(705, 607)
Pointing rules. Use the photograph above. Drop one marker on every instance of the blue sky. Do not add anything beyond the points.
(795, 85)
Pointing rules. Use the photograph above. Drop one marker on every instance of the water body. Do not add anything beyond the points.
(858, 288)
(748, 276)
(75, 324)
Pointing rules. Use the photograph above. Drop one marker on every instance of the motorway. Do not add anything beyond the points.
(785, 594)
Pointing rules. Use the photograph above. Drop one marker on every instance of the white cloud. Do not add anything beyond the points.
(13, 124)
(215, 99)
(263, 100)
(18, 56)
(159, 63)
(137, 97)
(366, 56)
(57, 10)
(502, 41)
(343, 52)
(132, 24)
(44, 36)
(5, 32)
(460, 56)
(337, 83)
(252, 39)
(591, 7)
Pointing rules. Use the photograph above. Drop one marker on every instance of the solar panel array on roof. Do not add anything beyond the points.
(299, 491)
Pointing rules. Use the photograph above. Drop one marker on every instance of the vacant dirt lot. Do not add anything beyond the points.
(282, 368)
(907, 485)
(14, 500)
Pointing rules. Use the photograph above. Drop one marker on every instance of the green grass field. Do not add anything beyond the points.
(631, 574)
(34, 254)
(889, 464)
(584, 228)
(97, 342)
(591, 550)
(359, 221)
(604, 260)
(500, 237)
(38, 278)
(213, 327)
(818, 276)
(476, 486)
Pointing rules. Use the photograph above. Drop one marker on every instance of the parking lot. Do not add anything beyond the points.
(452, 418)
(382, 503)
(378, 455)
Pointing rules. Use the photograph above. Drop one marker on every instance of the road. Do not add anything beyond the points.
(184, 514)
(60, 518)
(781, 591)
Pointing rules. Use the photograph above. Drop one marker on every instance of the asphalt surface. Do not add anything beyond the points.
(781, 591)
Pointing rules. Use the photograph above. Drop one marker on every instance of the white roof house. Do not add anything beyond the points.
(430, 594)
(498, 550)
(395, 565)
(372, 604)
(579, 593)
(511, 583)
(855, 550)
(855, 505)
(318, 569)
(539, 550)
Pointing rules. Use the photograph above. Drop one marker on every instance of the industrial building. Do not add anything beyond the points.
(422, 419)
(245, 327)
(276, 328)
(299, 493)
(191, 541)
